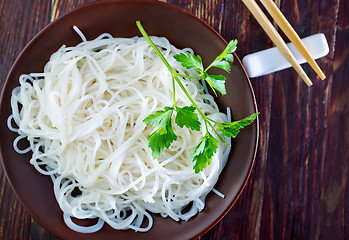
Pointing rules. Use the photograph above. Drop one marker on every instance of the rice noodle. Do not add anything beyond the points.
(83, 117)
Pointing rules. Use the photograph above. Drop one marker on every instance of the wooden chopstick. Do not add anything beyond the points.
(286, 27)
(276, 38)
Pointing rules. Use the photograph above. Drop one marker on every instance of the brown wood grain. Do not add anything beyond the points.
(298, 188)
(20, 21)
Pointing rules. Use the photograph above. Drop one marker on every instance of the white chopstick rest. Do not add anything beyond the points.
(271, 60)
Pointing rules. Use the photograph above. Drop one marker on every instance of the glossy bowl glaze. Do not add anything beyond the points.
(119, 18)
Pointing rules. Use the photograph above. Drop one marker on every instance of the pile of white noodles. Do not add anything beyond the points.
(83, 117)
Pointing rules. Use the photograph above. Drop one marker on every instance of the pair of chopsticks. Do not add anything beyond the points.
(277, 39)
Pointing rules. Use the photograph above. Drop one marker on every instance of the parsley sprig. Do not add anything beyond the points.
(186, 116)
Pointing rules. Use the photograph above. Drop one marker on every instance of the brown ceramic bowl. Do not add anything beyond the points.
(118, 18)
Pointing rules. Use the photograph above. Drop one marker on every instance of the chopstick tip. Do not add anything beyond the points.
(307, 80)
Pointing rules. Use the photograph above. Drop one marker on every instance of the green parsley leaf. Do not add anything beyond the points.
(202, 154)
(189, 60)
(232, 129)
(229, 57)
(186, 116)
(223, 59)
(160, 118)
(229, 49)
(217, 82)
(161, 139)
(223, 64)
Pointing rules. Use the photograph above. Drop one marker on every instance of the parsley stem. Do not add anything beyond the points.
(145, 35)
(173, 73)
(208, 67)
(220, 137)
(189, 97)
(174, 91)
(175, 77)
(186, 76)
(199, 110)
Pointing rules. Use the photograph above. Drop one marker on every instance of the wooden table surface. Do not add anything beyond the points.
(299, 187)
